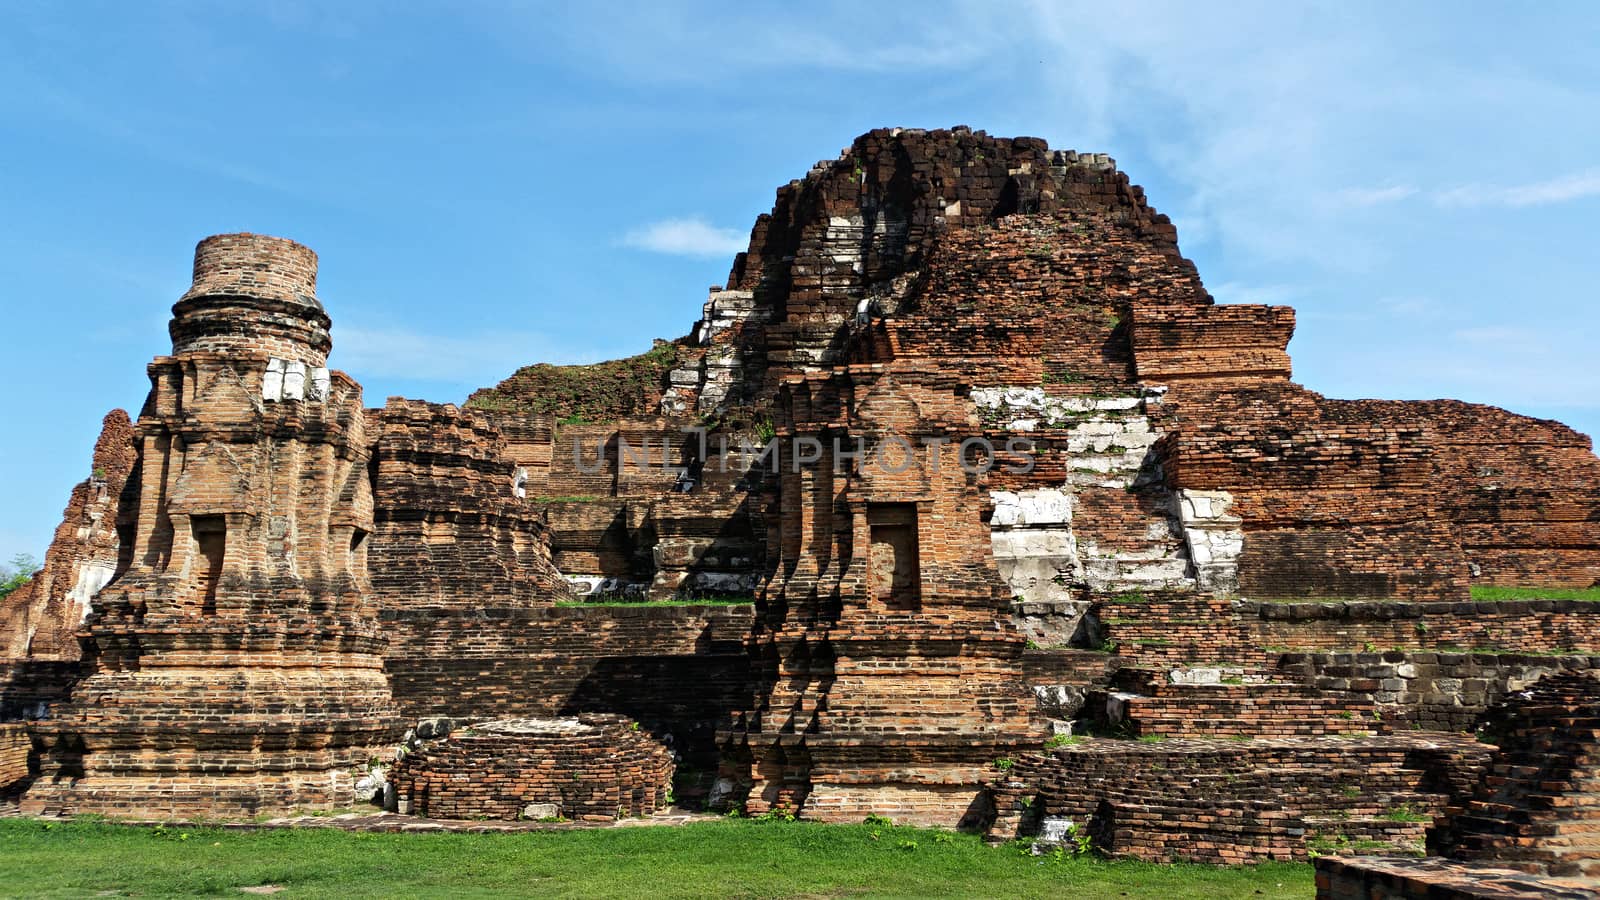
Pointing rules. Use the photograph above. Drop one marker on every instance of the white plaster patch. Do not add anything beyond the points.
(1214, 536)
(294, 380)
(272, 381)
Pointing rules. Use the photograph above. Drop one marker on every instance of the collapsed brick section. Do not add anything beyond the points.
(39, 621)
(1529, 827)
(233, 664)
(450, 528)
(1539, 807)
(590, 768)
(677, 670)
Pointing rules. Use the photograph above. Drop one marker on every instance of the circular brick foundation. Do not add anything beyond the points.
(590, 768)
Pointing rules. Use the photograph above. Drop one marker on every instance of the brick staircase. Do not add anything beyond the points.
(1146, 703)
(1539, 807)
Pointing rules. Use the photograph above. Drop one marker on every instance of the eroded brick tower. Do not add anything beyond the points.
(234, 660)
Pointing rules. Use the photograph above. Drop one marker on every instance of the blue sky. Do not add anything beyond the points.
(495, 184)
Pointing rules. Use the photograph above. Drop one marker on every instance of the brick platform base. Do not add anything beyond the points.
(1372, 878)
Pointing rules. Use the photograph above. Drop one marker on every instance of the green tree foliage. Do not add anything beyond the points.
(22, 569)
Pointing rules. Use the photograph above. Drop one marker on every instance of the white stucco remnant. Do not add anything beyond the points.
(1215, 538)
(272, 381)
(1034, 548)
(1109, 443)
(604, 586)
(294, 380)
(92, 576)
(317, 388)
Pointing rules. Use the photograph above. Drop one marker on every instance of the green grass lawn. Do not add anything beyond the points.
(710, 859)
(1490, 592)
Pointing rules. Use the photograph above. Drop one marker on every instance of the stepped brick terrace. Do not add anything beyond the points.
(963, 503)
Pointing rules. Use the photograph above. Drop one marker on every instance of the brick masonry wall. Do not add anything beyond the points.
(15, 746)
(678, 670)
(1164, 628)
(592, 768)
(1224, 801)
(40, 620)
(1430, 690)
(30, 687)
(449, 528)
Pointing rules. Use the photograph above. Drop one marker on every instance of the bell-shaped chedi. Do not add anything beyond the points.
(234, 661)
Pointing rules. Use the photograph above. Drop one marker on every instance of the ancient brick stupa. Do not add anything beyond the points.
(233, 665)
(1172, 540)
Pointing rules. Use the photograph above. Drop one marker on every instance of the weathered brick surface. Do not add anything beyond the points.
(1538, 809)
(590, 768)
(678, 670)
(1430, 690)
(1528, 828)
(15, 745)
(1177, 628)
(1145, 703)
(449, 527)
(40, 620)
(1227, 801)
(29, 688)
(234, 664)
(926, 285)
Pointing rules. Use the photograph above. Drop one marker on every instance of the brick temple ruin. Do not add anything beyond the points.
(1027, 480)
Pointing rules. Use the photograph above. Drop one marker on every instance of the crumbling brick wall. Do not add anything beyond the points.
(40, 620)
(450, 529)
(590, 768)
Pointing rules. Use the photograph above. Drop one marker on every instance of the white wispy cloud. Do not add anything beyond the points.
(1575, 186)
(1415, 307)
(1365, 197)
(1500, 335)
(686, 237)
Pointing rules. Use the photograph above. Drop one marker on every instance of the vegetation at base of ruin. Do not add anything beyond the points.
(578, 395)
(1478, 592)
(21, 570)
(740, 857)
(1490, 592)
(1062, 740)
(708, 600)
